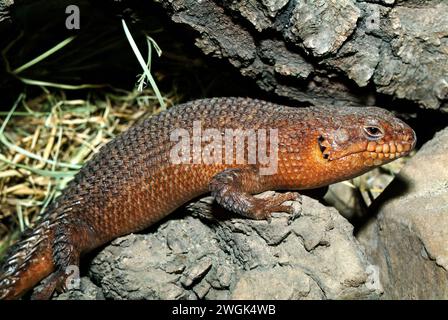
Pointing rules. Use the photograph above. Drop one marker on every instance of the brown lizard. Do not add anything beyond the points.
(136, 180)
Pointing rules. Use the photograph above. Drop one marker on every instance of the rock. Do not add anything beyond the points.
(352, 198)
(408, 237)
(219, 40)
(211, 254)
(285, 63)
(87, 291)
(284, 283)
(196, 272)
(145, 267)
(345, 199)
(413, 65)
(4, 10)
(322, 26)
(398, 48)
(274, 6)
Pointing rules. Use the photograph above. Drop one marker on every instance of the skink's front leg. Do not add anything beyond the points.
(233, 189)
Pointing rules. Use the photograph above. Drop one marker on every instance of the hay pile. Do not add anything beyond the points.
(45, 140)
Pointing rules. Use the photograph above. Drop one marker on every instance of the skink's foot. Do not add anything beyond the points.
(264, 208)
(54, 282)
(59, 281)
(233, 189)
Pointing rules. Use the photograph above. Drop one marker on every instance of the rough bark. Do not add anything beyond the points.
(4, 5)
(329, 51)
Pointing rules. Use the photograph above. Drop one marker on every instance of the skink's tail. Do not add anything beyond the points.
(29, 261)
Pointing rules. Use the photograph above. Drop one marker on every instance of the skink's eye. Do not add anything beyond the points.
(373, 132)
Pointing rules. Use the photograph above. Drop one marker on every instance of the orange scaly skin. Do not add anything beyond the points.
(131, 183)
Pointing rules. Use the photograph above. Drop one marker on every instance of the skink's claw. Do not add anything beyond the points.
(295, 214)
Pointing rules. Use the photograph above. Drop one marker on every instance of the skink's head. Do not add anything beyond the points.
(364, 137)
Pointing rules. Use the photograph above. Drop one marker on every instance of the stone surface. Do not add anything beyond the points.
(322, 26)
(86, 291)
(353, 197)
(414, 64)
(218, 31)
(4, 9)
(408, 237)
(323, 51)
(209, 255)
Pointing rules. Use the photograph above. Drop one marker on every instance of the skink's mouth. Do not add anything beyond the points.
(389, 150)
(376, 152)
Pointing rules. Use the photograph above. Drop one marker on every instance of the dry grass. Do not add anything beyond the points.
(45, 141)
